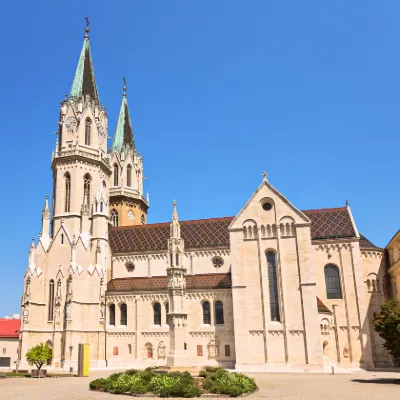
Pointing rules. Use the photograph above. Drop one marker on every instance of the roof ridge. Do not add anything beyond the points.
(325, 209)
(168, 222)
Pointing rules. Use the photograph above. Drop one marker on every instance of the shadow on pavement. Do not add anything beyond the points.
(384, 381)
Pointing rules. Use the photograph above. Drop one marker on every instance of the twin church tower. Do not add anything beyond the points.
(91, 183)
(93, 187)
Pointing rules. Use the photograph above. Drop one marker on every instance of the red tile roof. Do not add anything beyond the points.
(201, 281)
(196, 233)
(327, 223)
(322, 308)
(9, 328)
(330, 223)
(365, 243)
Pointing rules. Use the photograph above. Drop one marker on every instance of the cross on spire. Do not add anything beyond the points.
(124, 88)
(264, 176)
(87, 27)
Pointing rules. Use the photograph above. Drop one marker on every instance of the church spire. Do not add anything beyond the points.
(123, 136)
(84, 83)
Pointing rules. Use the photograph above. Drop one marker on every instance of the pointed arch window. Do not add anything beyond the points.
(273, 287)
(87, 132)
(86, 190)
(115, 175)
(111, 310)
(129, 176)
(219, 313)
(51, 301)
(124, 314)
(206, 313)
(67, 192)
(332, 282)
(157, 313)
(114, 218)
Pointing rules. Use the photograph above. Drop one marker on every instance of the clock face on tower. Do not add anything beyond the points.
(131, 215)
(70, 124)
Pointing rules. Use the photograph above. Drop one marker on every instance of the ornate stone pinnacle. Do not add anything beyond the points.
(174, 204)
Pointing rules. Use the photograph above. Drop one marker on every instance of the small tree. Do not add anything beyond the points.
(387, 324)
(39, 355)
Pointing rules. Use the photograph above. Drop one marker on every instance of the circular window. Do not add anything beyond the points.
(130, 266)
(218, 262)
(267, 206)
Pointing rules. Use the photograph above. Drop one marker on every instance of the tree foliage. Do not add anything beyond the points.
(39, 355)
(387, 324)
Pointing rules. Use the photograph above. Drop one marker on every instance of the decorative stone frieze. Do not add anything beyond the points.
(202, 334)
(154, 334)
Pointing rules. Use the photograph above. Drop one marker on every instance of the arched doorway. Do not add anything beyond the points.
(149, 350)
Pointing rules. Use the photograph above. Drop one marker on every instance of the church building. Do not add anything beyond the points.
(273, 288)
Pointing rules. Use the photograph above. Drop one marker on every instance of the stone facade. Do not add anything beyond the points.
(273, 288)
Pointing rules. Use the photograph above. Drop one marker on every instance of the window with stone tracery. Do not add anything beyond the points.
(206, 313)
(67, 193)
(219, 313)
(111, 310)
(86, 190)
(87, 132)
(115, 175)
(273, 287)
(129, 176)
(157, 313)
(51, 301)
(217, 262)
(124, 314)
(332, 282)
(114, 218)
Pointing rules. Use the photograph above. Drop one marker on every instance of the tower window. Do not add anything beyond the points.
(332, 282)
(129, 176)
(111, 309)
(87, 132)
(157, 313)
(273, 287)
(67, 192)
(206, 313)
(114, 218)
(51, 301)
(115, 175)
(219, 313)
(86, 190)
(124, 314)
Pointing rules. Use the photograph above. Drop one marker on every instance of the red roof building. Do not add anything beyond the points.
(9, 328)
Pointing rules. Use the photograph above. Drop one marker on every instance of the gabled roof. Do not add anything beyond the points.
(9, 328)
(201, 281)
(123, 136)
(201, 233)
(328, 223)
(84, 82)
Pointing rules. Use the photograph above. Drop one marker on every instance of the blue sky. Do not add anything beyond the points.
(218, 91)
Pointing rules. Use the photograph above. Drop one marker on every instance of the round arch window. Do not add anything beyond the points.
(267, 206)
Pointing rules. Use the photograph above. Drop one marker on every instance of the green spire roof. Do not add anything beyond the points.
(84, 81)
(123, 136)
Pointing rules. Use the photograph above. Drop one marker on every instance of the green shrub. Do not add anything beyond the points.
(233, 384)
(115, 376)
(160, 385)
(131, 371)
(98, 384)
(139, 387)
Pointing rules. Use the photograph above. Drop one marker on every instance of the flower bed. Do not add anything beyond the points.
(175, 384)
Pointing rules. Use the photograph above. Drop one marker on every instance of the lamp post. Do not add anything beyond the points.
(70, 358)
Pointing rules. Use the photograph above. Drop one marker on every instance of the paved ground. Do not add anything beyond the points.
(356, 386)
